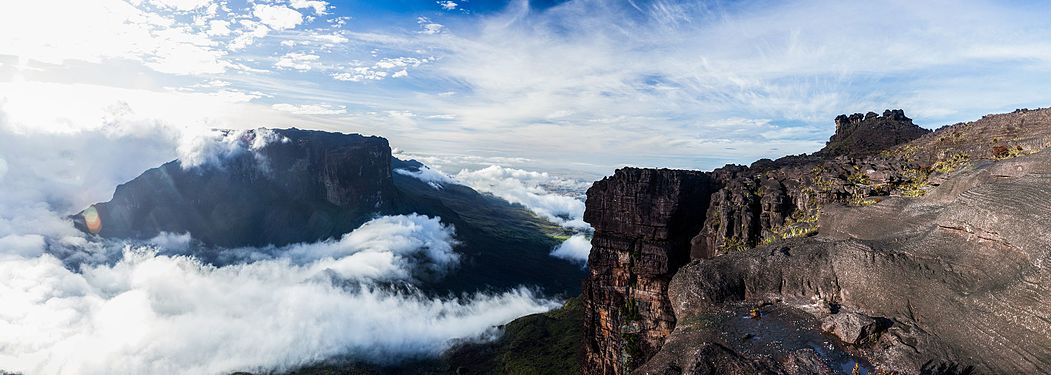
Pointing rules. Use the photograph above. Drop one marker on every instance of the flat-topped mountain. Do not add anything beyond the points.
(301, 186)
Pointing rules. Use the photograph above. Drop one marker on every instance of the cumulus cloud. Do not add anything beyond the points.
(297, 61)
(277, 17)
(448, 5)
(395, 67)
(210, 147)
(317, 5)
(386, 248)
(575, 249)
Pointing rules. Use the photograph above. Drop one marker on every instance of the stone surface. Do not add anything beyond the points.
(917, 232)
(852, 328)
(959, 272)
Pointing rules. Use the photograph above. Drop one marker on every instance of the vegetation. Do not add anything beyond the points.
(631, 311)
(917, 184)
(632, 348)
(801, 224)
(1005, 152)
(950, 164)
(733, 245)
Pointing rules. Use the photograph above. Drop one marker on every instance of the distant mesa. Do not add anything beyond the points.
(313, 186)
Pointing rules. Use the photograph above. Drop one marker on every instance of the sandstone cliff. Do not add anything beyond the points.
(796, 210)
(643, 219)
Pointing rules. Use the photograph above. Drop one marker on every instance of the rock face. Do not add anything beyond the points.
(957, 275)
(886, 218)
(312, 185)
(643, 222)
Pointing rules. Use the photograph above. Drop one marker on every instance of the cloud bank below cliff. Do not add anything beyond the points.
(136, 308)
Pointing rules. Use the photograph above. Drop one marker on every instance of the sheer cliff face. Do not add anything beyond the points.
(308, 185)
(873, 240)
(643, 222)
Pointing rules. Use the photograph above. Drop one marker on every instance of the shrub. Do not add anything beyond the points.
(1004, 152)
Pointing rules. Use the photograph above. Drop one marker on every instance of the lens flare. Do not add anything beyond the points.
(92, 220)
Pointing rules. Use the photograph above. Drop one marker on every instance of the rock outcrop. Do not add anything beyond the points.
(859, 135)
(849, 240)
(643, 222)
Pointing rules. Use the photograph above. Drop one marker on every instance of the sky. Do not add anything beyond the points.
(558, 85)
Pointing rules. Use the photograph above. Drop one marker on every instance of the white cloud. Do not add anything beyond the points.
(210, 147)
(277, 17)
(394, 67)
(297, 61)
(448, 5)
(316, 5)
(574, 249)
(385, 249)
(182, 5)
(359, 74)
(107, 29)
(218, 27)
(172, 315)
(432, 177)
(311, 109)
(534, 190)
(428, 27)
(171, 241)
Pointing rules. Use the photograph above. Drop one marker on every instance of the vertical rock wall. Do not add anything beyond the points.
(644, 220)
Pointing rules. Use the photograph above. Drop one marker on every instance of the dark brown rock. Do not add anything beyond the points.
(893, 232)
(643, 222)
(851, 327)
(859, 135)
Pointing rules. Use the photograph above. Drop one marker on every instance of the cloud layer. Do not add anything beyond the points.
(132, 308)
(173, 315)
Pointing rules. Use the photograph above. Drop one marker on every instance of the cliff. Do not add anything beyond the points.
(313, 185)
(871, 164)
(643, 222)
(306, 186)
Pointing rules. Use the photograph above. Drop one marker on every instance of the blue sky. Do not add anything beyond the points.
(581, 85)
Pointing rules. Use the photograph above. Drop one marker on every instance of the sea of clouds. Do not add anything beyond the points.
(557, 199)
(75, 304)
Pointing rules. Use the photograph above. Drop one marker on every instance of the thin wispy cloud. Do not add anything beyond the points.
(609, 81)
